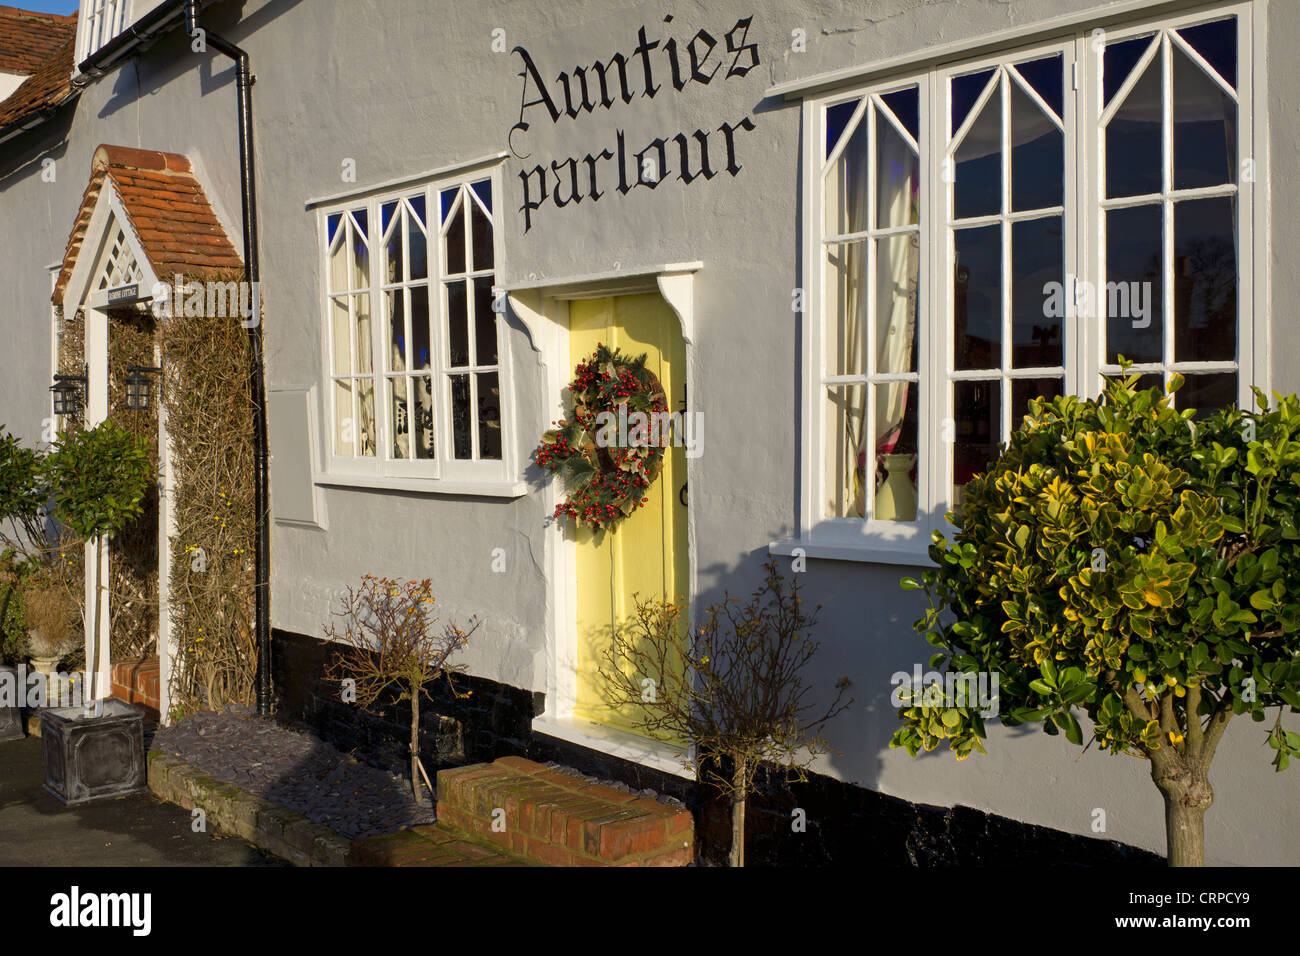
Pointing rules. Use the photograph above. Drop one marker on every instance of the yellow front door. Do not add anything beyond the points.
(646, 553)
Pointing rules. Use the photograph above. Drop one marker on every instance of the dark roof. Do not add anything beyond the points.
(28, 39)
(49, 86)
(168, 211)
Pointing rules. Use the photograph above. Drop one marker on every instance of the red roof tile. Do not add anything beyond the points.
(50, 85)
(167, 209)
(28, 38)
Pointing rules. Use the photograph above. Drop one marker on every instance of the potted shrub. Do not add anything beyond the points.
(50, 617)
(97, 479)
(22, 533)
(11, 641)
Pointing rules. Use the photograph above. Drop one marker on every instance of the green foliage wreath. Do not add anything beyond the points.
(606, 472)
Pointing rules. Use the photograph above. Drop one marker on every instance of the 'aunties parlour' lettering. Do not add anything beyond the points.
(621, 79)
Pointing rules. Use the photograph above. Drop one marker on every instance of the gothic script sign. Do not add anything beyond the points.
(652, 68)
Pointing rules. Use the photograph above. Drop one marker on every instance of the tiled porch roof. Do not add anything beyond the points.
(167, 210)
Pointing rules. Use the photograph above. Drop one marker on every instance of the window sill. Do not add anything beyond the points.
(913, 554)
(616, 743)
(427, 486)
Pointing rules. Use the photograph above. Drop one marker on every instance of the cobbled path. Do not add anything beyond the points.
(297, 771)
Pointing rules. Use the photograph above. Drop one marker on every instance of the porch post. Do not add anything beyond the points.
(166, 528)
(98, 665)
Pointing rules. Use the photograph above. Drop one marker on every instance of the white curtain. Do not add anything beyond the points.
(895, 307)
(851, 186)
(408, 417)
(897, 267)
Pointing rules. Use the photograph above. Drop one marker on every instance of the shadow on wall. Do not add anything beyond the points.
(490, 721)
(148, 74)
(865, 633)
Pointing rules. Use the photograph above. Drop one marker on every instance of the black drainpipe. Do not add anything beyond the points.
(257, 373)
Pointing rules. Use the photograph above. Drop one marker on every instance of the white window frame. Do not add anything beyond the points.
(98, 22)
(944, 317)
(848, 537)
(443, 473)
(1250, 364)
(867, 540)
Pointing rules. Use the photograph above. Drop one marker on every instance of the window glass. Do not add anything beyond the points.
(428, 363)
(1170, 290)
(871, 333)
(992, 284)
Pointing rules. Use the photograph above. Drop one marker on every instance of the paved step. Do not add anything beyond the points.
(560, 819)
(430, 845)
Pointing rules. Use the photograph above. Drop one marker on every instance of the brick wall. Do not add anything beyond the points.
(136, 682)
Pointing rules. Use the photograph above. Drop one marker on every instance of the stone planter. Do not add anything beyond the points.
(90, 758)
(46, 665)
(11, 719)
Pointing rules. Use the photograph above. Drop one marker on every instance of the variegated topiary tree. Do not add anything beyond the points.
(1126, 560)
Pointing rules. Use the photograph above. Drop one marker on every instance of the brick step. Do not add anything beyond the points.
(562, 820)
(136, 682)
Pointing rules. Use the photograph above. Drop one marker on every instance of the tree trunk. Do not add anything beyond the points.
(737, 856)
(415, 744)
(1185, 785)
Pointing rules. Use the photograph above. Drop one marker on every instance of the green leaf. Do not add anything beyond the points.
(1079, 693)
(1232, 523)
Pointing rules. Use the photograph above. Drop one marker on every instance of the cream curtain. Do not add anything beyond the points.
(366, 433)
(897, 263)
(852, 188)
(897, 266)
(416, 416)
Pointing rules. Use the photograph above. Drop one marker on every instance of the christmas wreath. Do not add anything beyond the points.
(607, 466)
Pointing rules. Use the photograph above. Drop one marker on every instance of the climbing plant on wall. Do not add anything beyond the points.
(209, 422)
(133, 552)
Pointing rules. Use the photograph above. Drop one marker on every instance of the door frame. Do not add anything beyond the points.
(78, 295)
(543, 308)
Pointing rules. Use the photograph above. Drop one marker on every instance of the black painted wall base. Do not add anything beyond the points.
(491, 721)
(842, 824)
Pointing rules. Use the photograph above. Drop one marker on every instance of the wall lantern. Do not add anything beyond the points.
(137, 385)
(69, 392)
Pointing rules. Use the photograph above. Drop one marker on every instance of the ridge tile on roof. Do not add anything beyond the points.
(167, 210)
